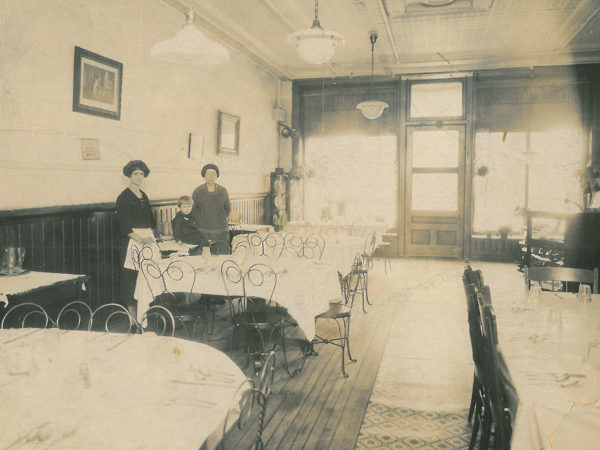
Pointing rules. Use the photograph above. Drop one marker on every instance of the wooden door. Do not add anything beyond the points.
(435, 184)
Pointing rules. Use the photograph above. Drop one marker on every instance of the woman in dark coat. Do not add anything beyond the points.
(134, 211)
(211, 210)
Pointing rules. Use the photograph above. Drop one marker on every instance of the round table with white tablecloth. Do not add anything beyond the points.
(75, 389)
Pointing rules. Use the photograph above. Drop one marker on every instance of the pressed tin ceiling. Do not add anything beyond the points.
(415, 36)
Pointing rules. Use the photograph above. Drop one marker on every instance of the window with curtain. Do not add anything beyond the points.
(530, 151)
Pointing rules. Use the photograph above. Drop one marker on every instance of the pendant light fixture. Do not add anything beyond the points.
(190, 46)
(316, 45)
(372, 109)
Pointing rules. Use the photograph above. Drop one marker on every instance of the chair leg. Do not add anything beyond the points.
(486, 427)
(475, 425)
(473, 397)
(361, 286)
(342, 346)
(285, 360)
(366, 286)
(347, 338)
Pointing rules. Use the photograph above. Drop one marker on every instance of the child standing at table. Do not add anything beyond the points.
(185, 230)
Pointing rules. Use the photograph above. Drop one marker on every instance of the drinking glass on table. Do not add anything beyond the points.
(535, 293)
(555, 324)
(585, 294)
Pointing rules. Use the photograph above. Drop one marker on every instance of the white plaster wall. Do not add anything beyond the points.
(40, 149)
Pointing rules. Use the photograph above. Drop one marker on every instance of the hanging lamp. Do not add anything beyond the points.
(372, 109)
(190, 46)
(316, 45)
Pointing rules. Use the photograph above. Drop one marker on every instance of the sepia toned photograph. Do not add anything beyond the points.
(300, 224)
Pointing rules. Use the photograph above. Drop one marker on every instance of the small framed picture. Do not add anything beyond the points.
(97, 82)
(228, 134)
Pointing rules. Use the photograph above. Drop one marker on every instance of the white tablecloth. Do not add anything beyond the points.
(112, 391)
(153, 250)
(19, 284)
(337, 228)
(552, 412)
(304, 287)
(339, 251)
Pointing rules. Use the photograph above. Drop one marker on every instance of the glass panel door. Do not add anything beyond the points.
(434, 190)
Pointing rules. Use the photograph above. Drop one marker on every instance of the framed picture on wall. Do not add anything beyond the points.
(228, 134)
(97, 84)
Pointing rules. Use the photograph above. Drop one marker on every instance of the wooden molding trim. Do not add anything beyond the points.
(92, 208)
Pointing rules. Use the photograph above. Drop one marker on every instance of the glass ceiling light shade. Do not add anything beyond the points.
(190, 46)
(372, 109)
(316, 45)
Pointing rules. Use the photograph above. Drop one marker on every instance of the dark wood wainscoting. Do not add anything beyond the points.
(84, 239)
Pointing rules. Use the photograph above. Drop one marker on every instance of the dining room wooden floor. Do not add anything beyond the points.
(319, 408)
(413, 362)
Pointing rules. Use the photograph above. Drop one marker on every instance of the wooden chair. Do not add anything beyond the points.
(473, 284)
(25, 315)
(563, 274)
(75, 315)
(340, 310)
(471, 276)
(496, 403)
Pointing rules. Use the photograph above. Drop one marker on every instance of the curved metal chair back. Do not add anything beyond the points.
(293, 244)
(138, 255)
(159, 320)
(243, 249)
(262, 395)
(25, 315)
(267, 376)
(153, 276)
(112, 317)
(233, 280)
(313, 246)
(240, 408)
(260, 281)
(370, 243)
(358, 229)
(74, 316)
(256, 243)
(349, 288)
(180, 277)
(272, 244)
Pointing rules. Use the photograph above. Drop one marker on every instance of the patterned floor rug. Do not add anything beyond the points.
(405, 428)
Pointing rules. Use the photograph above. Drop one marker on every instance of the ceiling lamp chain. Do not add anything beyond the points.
(316, 45)
(190, 46)
(372, 109)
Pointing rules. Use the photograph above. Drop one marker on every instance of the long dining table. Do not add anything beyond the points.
(303, 286)
(550, 363)
(76, 389)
